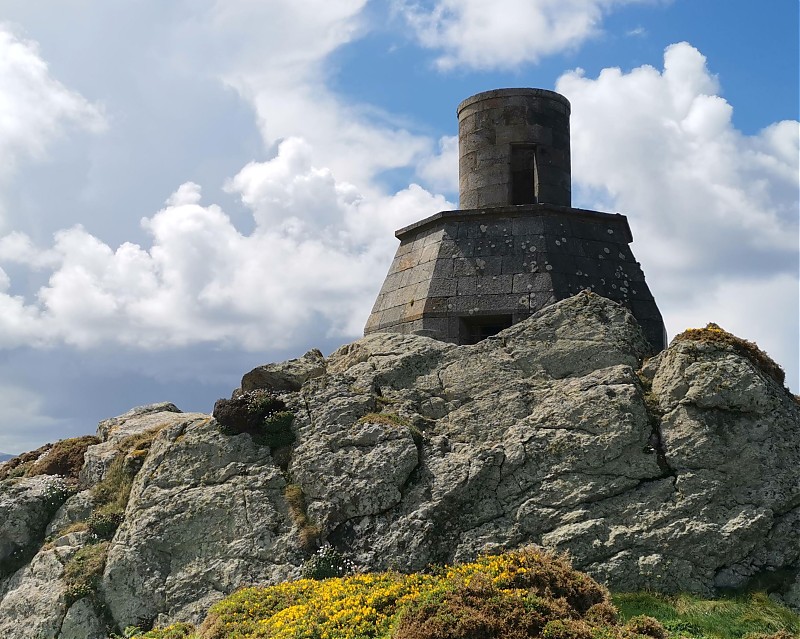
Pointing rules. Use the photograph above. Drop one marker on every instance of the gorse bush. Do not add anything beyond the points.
(173, 631)
(513, 596)
(476, 609)
(519, 595)
(647, 626)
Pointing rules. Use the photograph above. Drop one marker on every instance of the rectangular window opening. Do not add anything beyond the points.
(523, 174)
(474, 328)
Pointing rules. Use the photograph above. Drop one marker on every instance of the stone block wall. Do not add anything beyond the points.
(458, 273)
(507, 136)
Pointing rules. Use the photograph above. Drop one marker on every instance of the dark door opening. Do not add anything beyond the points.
(473, 329)
(523, 174)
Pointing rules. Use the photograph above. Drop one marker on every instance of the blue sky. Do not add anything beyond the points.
(190, 189)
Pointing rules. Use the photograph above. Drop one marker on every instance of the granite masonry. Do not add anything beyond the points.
(516, 245)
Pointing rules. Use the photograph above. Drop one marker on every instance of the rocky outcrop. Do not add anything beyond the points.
(205, 516)
(115, 430)
(681, 474)
(40, 594)
(286, 376)
(26, 506)
(35, 604)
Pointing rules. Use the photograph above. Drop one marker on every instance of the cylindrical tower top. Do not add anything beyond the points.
(513, 148)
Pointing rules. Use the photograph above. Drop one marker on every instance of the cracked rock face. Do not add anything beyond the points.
(26, 506)
(206, 515)
(681, 475)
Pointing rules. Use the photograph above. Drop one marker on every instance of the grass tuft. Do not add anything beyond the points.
(728, 618)
(308, 531)
(82, 573)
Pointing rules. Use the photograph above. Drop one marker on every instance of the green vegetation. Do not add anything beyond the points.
(714, 334)
(327, 562)
(111, 494)
(259, 413)
(82, 573)
(517, 595)
(276, 430)
(730, 618)
(103, 525)
(64, 458)
(173, 631)
(296, 500)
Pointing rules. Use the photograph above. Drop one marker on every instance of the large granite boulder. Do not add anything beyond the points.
(206, 515)
(36, 603)
(26, 507)
(677, 473)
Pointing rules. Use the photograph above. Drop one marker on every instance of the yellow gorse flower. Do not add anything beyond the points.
(363, 606)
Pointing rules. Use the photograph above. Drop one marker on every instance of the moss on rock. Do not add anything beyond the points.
(715, 334)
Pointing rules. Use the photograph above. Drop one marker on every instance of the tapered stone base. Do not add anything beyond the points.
(459, 276)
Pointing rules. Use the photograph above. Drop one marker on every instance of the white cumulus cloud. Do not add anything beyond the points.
(713, 211)
(35, 108)
(276, 56)
(315, 259)
(440, 170)
(495, 34)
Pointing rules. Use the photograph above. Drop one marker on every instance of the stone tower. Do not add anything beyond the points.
(515, 245)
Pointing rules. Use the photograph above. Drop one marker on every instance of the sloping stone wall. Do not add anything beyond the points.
(456, 267)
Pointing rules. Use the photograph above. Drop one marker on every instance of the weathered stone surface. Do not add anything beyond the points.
(26, 506)
(116, 430)
(543, 435)
(77, 508)
(681, 474)
(130, 423)
(205, 516)
(33, 604)
(285, 376)
(331, 469)
(82, 622)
